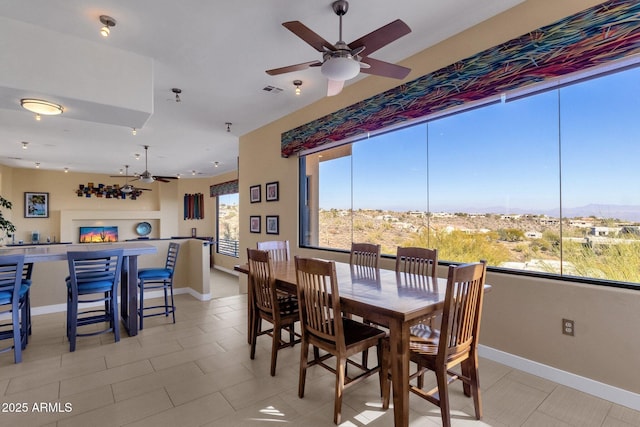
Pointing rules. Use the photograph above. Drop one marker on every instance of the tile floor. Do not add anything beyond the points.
(198, 373)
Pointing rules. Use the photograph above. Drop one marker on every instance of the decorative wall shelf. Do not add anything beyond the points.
(106, 191)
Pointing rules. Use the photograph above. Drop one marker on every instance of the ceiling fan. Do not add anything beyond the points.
(128, 188)
(342, 61)
(146, 176)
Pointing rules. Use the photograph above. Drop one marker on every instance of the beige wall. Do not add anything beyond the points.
(162, 208)
(522, 315)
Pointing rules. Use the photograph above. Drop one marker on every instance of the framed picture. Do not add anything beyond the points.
(271, 189)
(254, 223)
(36, 205)
(254, 193)
(273, 224)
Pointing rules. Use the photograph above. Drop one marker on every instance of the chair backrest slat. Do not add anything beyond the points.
(262, 281)
(462, 309)
(417, 261)
(279, 249)
(319, 300)
(86, 266)
(11, 273)
(172, 256)
(365, 255)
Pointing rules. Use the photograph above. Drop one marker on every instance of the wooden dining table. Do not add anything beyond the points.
(128, 280)
(385, 298)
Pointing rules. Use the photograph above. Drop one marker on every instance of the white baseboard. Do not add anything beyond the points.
(226, 270)
(595, 388)
(57, 308)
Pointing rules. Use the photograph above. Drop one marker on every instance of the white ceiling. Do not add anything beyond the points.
(216, 52)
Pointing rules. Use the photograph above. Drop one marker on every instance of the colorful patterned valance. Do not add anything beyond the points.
(598, 35)
(228, 187)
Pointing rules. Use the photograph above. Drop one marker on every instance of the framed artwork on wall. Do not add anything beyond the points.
(254, 193)
(273, 224)
(36, 205)
(272, 191)
(254, 223)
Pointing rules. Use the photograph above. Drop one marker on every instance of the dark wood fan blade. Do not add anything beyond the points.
(384, 69)
(308, 35)
(381, 37)
(122, 176)
(164, 178)
(291, 68)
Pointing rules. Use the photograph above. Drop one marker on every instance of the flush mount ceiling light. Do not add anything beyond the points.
(42, 107)
(297, 84)
(108, 22)
(24, 145)
(228, 126)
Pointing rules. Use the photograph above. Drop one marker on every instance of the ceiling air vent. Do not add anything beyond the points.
(272, 89)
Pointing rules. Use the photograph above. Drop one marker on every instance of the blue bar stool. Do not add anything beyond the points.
(159, 278)
(12, 301)
(93, 278)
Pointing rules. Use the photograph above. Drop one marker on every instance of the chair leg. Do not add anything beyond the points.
(255, 329)
(341, 364)
(166, 299)
(173, 305)
(72, 325)
(475, 384)
(17, 335)
(277, 338)
(141, 312)
(443, 393)
(304, 358)
(114, 317)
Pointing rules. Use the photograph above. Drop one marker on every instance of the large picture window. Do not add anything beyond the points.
(543, 183)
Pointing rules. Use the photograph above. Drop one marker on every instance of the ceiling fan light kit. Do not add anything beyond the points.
(340, 68)
(342, 61)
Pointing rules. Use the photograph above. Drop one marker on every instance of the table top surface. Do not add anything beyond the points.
(387, 293)
(59, 252)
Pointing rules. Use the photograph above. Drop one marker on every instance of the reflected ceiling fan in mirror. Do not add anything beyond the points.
(128, 188)
(342, 61)
(146, 176)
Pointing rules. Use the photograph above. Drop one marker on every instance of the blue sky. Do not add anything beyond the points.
(504, 157)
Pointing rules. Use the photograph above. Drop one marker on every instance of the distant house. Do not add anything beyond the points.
(533, 235)
(442, 215)
(604, 231)
(419, 214)
(580, 223)
(511, 217)
(549, 221)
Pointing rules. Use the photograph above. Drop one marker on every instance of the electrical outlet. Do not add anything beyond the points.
(568, 327)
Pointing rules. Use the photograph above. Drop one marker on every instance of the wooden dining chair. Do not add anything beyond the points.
(414, 263)
(365, 255)
(280, 310)
(455, 343)
(416, 273)
(12, 301)
(364, 259)
(324, 327)
(279, 249)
